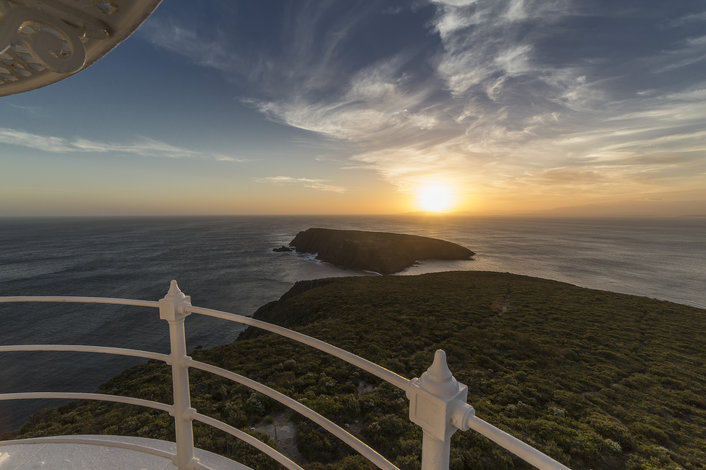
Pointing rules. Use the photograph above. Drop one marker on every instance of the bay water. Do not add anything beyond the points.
(227, 263)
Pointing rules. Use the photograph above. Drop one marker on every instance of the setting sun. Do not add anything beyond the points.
(434, 198)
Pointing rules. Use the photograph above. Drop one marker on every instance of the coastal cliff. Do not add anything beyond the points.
(381, 252)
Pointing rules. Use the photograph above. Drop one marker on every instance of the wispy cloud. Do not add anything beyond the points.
(373, 107)
(201, 50)
(34, 141)
(310, 183)
(227, 158)
(143, 146)
(690, 18)
(31, 110)
(497, 96)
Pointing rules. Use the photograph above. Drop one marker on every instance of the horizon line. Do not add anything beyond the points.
(399, 214)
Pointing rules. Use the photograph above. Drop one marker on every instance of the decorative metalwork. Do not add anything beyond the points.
(42, 42)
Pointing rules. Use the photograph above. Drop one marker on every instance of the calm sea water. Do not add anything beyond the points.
(227, 263)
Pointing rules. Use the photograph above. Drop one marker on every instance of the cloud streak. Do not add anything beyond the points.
(143, 147)
(309, 183)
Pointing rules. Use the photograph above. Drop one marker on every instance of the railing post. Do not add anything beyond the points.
(173, 309)
(437, 403)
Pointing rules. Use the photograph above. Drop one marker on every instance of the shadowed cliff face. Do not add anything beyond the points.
(381, 252)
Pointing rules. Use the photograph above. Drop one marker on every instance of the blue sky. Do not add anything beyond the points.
(237, 107)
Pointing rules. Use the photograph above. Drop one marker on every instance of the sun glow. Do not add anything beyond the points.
(435, 198)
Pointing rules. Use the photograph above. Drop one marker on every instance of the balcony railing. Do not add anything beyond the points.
(437, 401)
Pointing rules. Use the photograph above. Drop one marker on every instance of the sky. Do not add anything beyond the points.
(551, 107)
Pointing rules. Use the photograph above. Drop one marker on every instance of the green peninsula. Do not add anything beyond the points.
(594, 379)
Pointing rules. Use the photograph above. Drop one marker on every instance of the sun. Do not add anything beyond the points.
(435, 198)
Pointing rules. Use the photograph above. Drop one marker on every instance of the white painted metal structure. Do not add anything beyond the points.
(102, 452)
(437, 401)
(44, 41)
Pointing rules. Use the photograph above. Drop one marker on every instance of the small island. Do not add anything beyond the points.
(380, 252)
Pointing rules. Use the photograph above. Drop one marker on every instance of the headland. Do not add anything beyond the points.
(594, 379)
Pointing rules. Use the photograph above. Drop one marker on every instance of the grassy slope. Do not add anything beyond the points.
(594, 379)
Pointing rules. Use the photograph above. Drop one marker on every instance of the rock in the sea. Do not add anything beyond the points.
(282, 248)
(381, 252)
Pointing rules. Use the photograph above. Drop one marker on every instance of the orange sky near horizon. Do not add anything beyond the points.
(562, 109)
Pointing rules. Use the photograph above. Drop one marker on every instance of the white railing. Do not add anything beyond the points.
(437, 401)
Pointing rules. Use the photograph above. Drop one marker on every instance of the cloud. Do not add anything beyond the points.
(144, 147)
(373, 106)
(34, 141)
(689, 18)
(199, 49)
(486, 40)
(317, 184)
(483, 94)
(305, 59)
(38, 111)
(573, 177)
(227, 158)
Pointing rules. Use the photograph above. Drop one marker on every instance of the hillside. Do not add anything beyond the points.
(594, 379)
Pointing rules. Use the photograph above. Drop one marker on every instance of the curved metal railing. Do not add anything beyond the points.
(85, 348)
(375, 369)
(438, 409)
(75, 440)
(79, 300)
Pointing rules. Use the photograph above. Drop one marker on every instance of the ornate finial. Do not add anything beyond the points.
(175, 302)
(437, 403)
(174, 292)
(439, 370)
(438, 378)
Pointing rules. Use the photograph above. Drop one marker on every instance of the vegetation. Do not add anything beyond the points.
(592, 378)
(380, 252)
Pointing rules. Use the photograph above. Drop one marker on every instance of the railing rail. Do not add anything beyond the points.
(375, 369)
(79, 300)
(437, 401)
(95, 441)
(292, 404)
(245, 437)
(87, 349)
(88, 396)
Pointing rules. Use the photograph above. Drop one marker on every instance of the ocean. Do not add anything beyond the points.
(227, 263)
